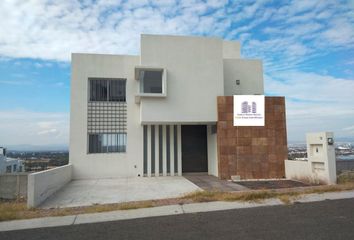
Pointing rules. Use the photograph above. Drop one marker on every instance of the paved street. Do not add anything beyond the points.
(332, 219)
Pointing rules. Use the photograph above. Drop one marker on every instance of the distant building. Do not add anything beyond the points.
(9, 165)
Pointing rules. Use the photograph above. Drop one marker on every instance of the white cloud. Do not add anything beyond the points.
(52, 30)
(16, 82)
(48, 132)
(340, 33)
(350, 128)
(293, 33)
(314, 102)
(37, 128)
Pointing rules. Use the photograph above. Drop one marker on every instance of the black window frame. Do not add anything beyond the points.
(146, 81)
(102, 90)
(96, 143)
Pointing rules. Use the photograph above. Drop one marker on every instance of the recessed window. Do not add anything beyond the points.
(111, 90)
(107, 143)
(8, 169)
(151, 81)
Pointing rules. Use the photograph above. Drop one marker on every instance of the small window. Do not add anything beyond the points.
(14, 168)
(8, 169)
(103, 90)
(107, 143)
(151, 81)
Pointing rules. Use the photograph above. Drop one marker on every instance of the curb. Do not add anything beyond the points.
(159, 211)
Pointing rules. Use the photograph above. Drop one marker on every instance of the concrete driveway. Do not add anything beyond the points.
(118, 190)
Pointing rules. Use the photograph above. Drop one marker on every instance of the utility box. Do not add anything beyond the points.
(321, 156)
(320, 164)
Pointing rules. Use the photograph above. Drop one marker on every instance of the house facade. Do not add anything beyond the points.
(168, 112)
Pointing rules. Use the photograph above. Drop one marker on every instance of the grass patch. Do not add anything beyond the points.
(287, 196)
(346, 177)
(250, 196)
(11, 210)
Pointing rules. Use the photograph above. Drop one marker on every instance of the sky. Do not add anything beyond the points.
(307, 48)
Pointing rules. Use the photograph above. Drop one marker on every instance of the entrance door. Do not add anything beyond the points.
(194, 148)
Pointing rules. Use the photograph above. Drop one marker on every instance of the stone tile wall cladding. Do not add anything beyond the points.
(252, 152)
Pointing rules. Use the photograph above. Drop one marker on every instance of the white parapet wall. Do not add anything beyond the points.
(320, 165)
(297, 169)
(42, 185)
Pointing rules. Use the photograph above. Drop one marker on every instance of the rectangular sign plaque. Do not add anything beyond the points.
(249, 110)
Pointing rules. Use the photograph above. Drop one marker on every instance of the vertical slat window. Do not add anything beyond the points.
(168, 157)
(145, 148)
(107, 143)
(175, 148)
(152, 150)
(160, 149)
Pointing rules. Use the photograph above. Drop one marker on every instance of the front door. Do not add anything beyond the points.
(194, 148)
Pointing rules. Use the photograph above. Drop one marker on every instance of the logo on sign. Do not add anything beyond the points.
(248, 108)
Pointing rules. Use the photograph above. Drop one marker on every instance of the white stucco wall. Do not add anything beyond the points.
(231, 49)
(248, 71)
(103, 165)
(197, 68)
(194, 78)
(296, 169)
(42, 185)
(212, 152)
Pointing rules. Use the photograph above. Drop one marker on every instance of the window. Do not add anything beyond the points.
(117, 91)
(107, 143)
(107, 90)
(8, 169)
(151, 81)
(107, 116)
(14, 168)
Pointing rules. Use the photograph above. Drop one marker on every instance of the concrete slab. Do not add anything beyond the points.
(118, 190)
(212, 183)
